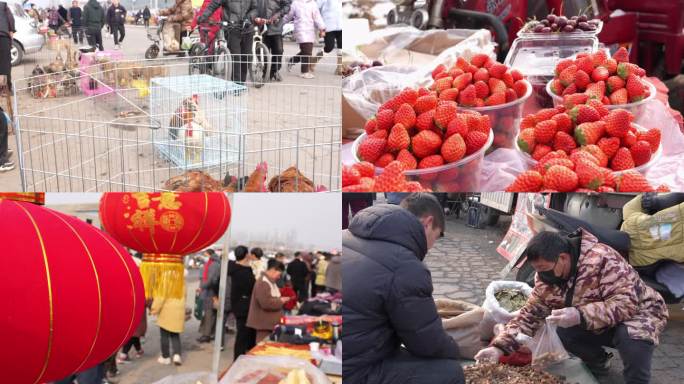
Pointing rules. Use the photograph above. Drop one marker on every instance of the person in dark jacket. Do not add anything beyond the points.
(242, 285)
(75, 18)
(240, 16)
(93, 21)
(210, 292)
(116, 19)
(299, 274)
(388, 298)
(63, 15)
(7, 31)
(273, 11)
(146, 16)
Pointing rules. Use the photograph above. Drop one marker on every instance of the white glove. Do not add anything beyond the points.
(489, 354)
(565, 318)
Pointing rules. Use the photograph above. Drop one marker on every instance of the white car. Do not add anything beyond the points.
(27, 39)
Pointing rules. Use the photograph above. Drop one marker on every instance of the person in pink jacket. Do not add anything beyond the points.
(307, 19)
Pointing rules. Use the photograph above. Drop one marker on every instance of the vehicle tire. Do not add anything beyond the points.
(16, 53)
(152, 52)
(526, 274)
(222, 65)
(197, 64)
(419, 19)
(392, 17)
(260, 66)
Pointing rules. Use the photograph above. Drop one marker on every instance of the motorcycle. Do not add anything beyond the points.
(157, 47)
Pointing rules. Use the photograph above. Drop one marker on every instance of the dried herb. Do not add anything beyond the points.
(511, 299)
(490, 373)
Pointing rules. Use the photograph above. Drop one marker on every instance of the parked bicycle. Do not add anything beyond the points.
(215, 61)
(260, 65)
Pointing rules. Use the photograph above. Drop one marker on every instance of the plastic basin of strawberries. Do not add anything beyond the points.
(462, 175)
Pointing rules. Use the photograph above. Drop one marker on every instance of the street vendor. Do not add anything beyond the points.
(392, 332)
(595, 297)
(179, 18)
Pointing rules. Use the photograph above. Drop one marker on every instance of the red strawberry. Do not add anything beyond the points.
(496, 85)
(406, 116)
(407, 96)
(545, 131)
(585, 64)
(453, 149)
(596, 90)
(621, 55)
(462, 63)
(589, 133)
(563, 122)
(350, 176)
(520, 87)
(562, 65)
(629, 139)
(528, 121)
(641, 152)
(600, 74)
(517, 75)
(560, 178)
(425, 103)
(626, 69)
(449, 94)
(633, 181)
(444, 114)
(551, 155)
(425, 143)
(598, 106)
(582, 79)
(511, 95)
(508, 79)
(611, 66)
(467, 96)
(652, 136)
(358, 188)
(392, 178)
(385, 119)
(477, 122)
(618, 122)
(425, 120)
(662, 188)
(635, 88)
(609, 145)
(379, 134)
(567, 77)
(583, 114)
(415, 186)
(589, 175)
(578, 156)
(442, 84)
(462, 81)
(458, 125)
(479, 103)
(599, 57)
(371, 126)
(384, 160)
(406, 158)
(497, 70)
(365, 169)
(597, 153)
(540, 150)
(423, 92)
(564, 142)
(614, 83)
(481, 75)
(438, 69)
(475, 140)
(481, 88)
(528, 181)
(622, 160)
(570, 101)
(545, 114)
(619, 97)
(571, 89)
(542, 167)
(496, 99)
(557, 87)
(371, 149)
(526, 140)
(398, 138)
(431, 162)
(441, 75)
(455, 72)
(479, 59)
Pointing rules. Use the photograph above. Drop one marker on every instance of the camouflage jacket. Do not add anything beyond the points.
(608, 292)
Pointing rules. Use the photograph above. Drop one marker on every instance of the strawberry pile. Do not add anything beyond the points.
(361, 177)
(609, 136)
(612, 80)
(562, 175)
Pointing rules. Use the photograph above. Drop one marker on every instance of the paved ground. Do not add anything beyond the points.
(465, 261)
(99, 146)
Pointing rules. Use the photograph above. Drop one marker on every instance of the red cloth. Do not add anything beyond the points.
(215, 17)
(287, 291)
(206, 270)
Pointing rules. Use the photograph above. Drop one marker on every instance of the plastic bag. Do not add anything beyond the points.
(547, 348)
(254, 369)
(494, 313)
(188, 378)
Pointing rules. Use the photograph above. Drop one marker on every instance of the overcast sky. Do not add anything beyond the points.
(317, 217)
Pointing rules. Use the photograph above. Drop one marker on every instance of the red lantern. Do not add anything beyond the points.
(71, 295)
(165, 226)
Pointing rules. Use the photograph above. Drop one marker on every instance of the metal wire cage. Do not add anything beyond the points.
(149, 125)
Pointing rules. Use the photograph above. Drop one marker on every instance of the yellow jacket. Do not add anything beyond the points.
(653, 237)
(320, 272)
(170, 313)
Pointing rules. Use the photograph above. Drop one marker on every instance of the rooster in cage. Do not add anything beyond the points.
(192, 120)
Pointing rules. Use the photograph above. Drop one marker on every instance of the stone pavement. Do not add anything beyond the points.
(465, 261)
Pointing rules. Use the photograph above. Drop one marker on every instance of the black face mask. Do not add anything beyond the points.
(550, 278)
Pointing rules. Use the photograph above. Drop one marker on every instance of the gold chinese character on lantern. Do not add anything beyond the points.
(167, 200)
(143, 219)
(171, 221)
(142, 198)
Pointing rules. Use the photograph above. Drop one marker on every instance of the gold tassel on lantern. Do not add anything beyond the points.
(163, 276)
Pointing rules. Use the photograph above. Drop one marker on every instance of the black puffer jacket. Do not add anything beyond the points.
(387, 292)
(235, 12)
(277, 9)
(93, 16)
